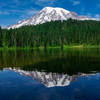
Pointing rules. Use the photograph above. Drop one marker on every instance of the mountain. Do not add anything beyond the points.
(48, 14)
(48, 79)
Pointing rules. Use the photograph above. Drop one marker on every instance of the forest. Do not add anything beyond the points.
(52, 34)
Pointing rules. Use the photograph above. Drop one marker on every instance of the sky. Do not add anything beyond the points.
(12, 11)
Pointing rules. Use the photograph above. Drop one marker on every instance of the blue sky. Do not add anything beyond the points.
(11, 11)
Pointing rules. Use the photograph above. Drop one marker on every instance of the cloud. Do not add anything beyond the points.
(16, 1)
(98, 5)
(89, 15)
(97, 16)
(31, 11)
(76, 3)
(4, 13)
(2, 4)
(44, 2)
(25, 13)
(3, 25)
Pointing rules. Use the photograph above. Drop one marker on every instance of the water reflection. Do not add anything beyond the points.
(67, 61)
(47, 79)
(50, 75)
(17, 84)
(50, 79)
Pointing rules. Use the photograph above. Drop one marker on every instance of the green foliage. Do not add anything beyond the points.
(51, 34)
(70, 61)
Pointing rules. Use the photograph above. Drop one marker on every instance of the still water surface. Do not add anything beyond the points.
(72, 74)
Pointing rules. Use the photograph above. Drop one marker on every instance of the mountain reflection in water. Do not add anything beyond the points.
(50, 75)
(66, 61)
(49, 79)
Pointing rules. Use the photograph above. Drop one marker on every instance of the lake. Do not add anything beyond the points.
(54, 74)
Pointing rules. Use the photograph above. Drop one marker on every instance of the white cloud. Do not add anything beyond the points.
(3, 25)
(27, 13)
(97, 16)
(4, 13)
(89, 15)
(31, 11)
(44, 2)
(21, 11)
(76, 3)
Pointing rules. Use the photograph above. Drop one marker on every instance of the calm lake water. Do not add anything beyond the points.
(72, 74)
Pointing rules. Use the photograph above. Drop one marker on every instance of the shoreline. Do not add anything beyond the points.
(53, 47)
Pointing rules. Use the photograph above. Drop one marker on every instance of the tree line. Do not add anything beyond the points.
(54, 33)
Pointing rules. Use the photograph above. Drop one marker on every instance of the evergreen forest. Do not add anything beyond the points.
(52, 34)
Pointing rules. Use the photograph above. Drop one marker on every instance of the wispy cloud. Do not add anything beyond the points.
(2, 4)
(97, 16)
(23, 14)
(44, 2)
(25, 11)
(32, 11)
(4, 13)
(16, 1)
(76, 3)
(98, 5)
(3, 25)
(89, 15)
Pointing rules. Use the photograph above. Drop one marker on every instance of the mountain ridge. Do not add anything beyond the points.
(48, 14)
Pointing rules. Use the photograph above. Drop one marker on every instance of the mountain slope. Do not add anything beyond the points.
(48, 14)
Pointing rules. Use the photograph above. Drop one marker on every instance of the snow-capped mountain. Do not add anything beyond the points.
(48, 79)
(48, 14)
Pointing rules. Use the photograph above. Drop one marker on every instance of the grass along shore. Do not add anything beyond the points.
(51, 47)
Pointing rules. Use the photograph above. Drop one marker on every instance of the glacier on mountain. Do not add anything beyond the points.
(48, 14)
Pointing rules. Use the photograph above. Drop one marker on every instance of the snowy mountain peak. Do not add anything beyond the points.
(48, 14)
(58, 10)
